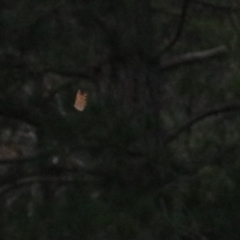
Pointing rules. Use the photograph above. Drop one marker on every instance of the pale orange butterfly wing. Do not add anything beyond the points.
(80, 101)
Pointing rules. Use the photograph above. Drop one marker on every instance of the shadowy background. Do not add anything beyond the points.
(155, 154)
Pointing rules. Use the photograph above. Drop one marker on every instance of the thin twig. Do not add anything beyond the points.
(201, 117)
(193, 57)
(179, 29)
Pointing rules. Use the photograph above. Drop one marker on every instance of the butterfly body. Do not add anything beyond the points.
(80, 101)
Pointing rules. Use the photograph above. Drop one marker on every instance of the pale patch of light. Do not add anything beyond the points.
(55, 160)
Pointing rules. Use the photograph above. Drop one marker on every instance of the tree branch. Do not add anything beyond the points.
(195, 120)
(193, 57)
(217, 7)
(180, 27)
(35, 179)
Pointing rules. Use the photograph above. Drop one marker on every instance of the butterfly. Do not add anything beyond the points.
(80, 100)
